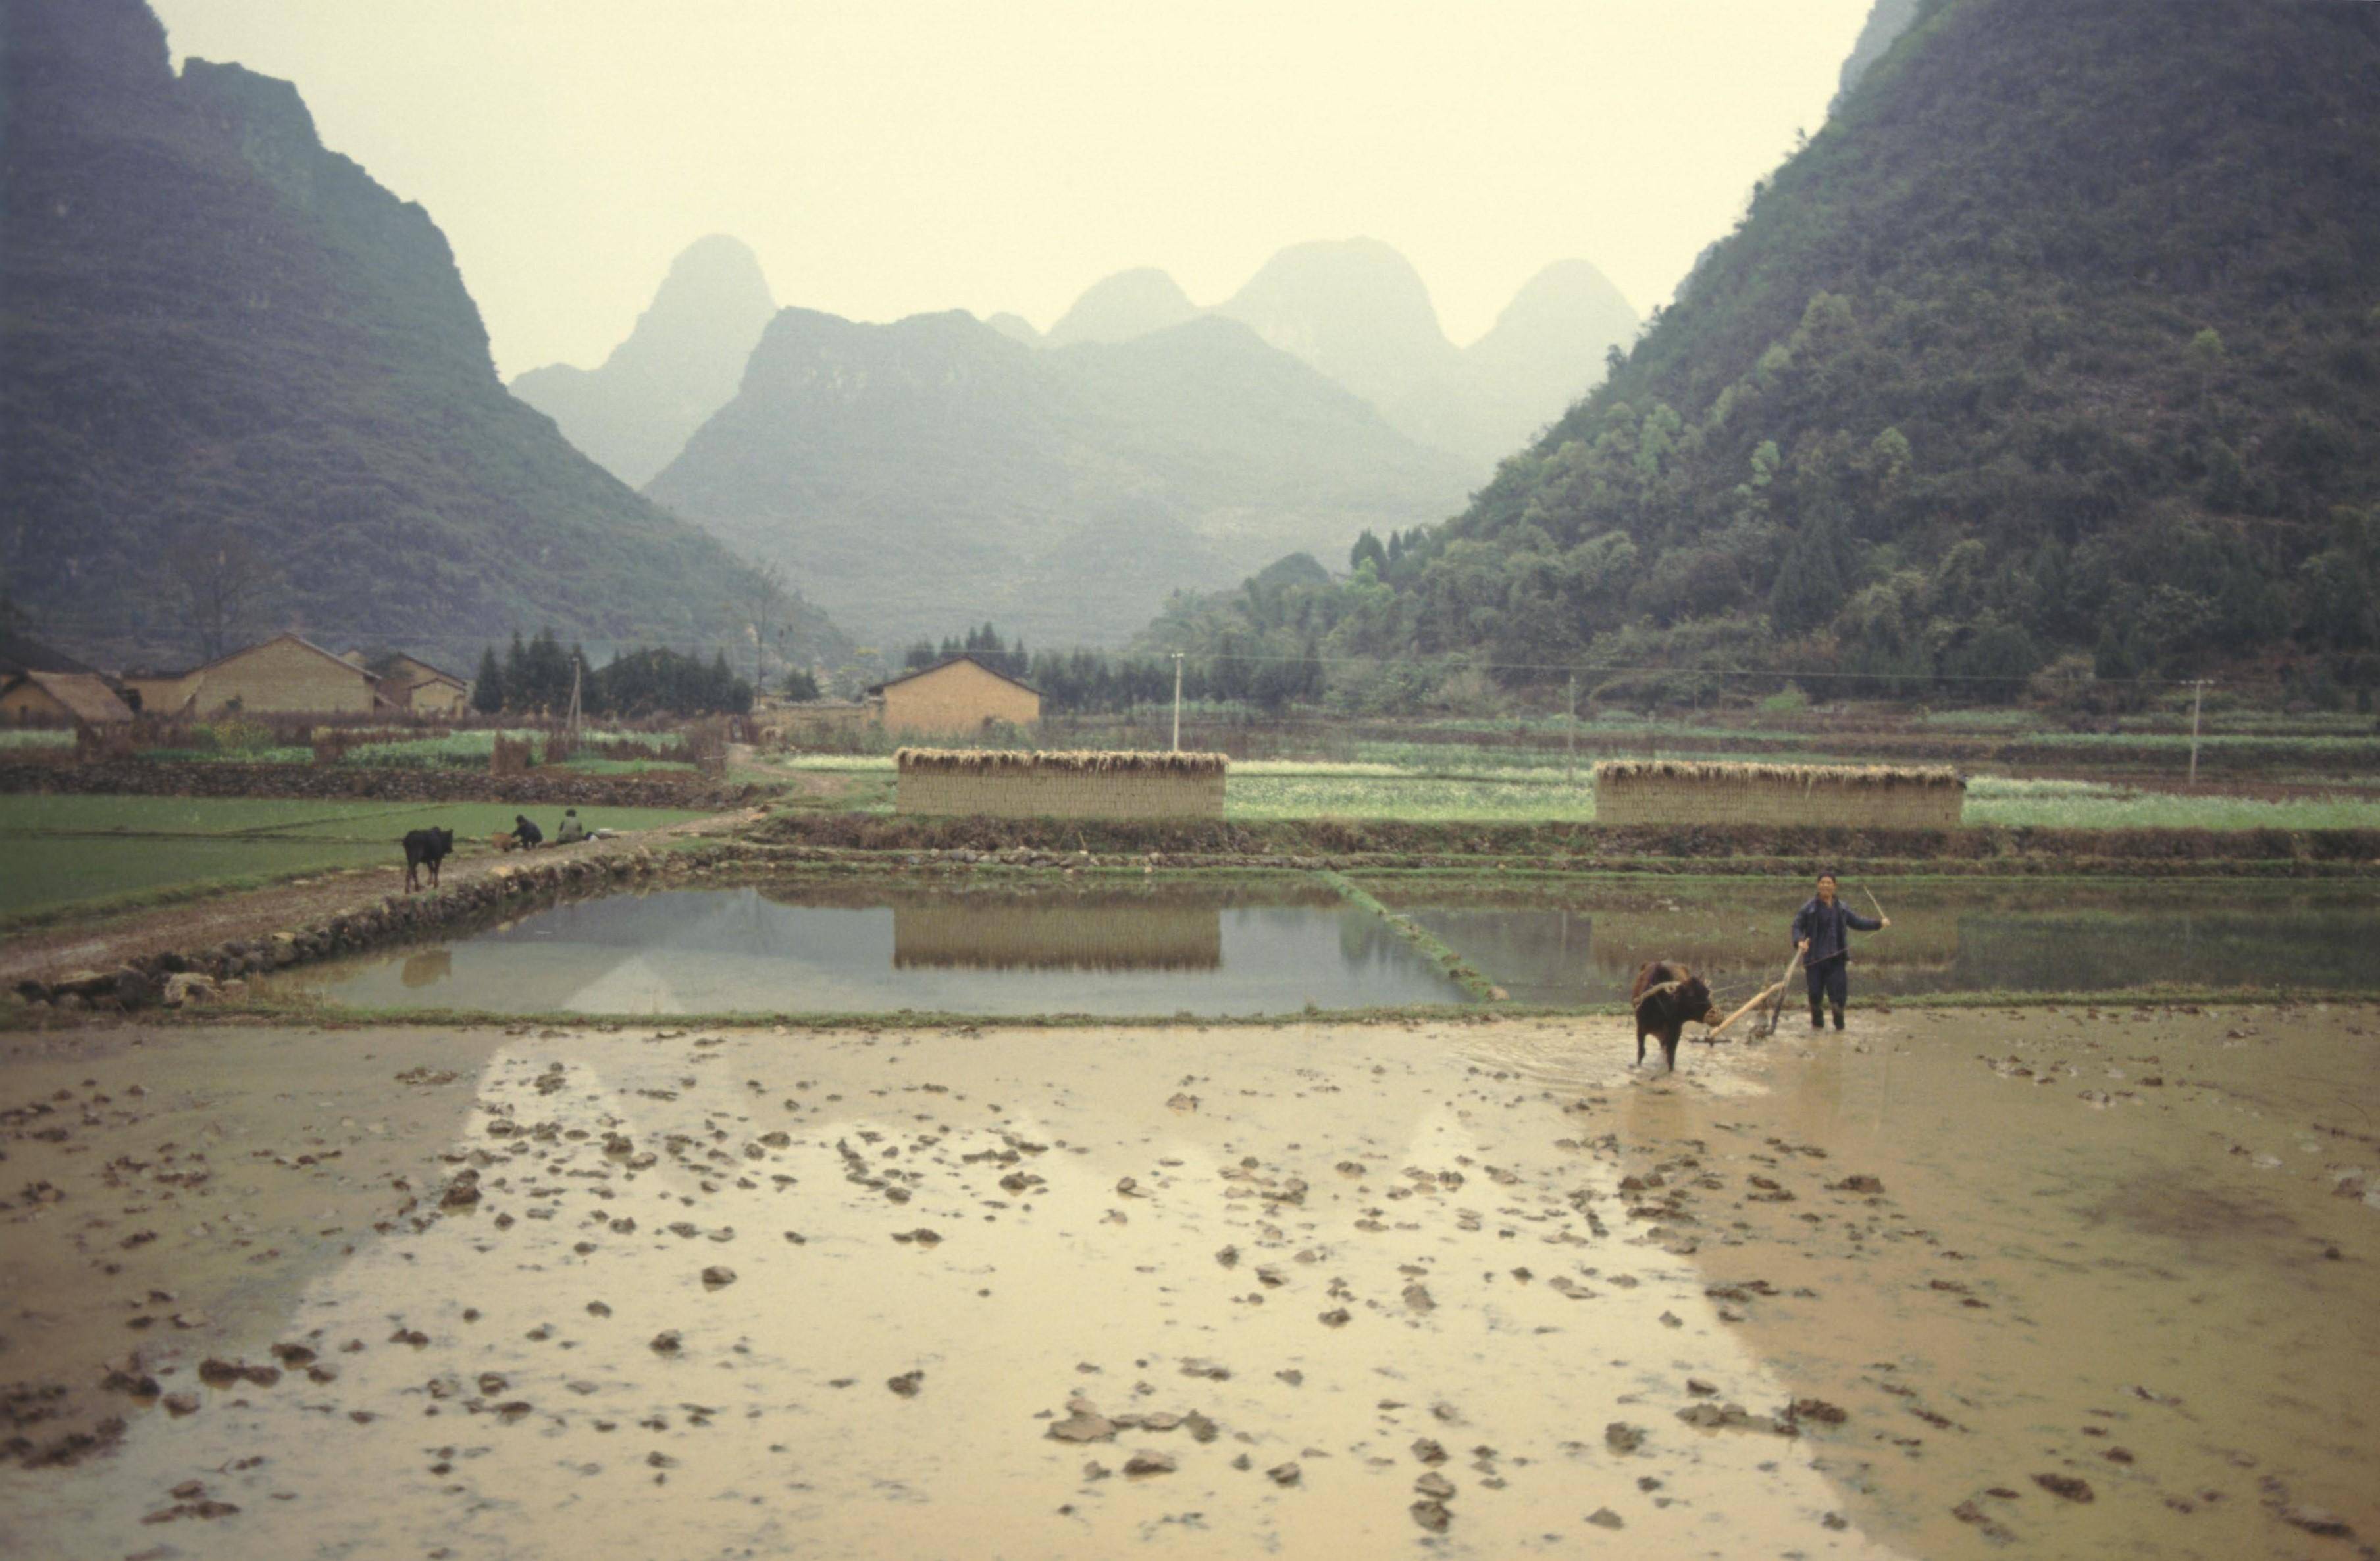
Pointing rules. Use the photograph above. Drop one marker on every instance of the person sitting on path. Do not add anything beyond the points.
(570, 832)
(530, 836)
(1821, 929)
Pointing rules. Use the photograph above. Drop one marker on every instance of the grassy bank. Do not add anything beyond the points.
(1578, 845)
(103, 854)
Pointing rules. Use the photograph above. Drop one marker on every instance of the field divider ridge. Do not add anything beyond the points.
(1457, 966)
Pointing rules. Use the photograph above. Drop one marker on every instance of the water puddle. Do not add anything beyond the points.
(1583, 943)
(1265, 948)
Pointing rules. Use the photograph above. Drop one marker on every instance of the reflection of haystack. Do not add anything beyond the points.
(1923, 937)
(1010, 936)
(1677, 791)
(1004, 783)
(428, 967)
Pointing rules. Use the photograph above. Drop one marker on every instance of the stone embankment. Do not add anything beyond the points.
(178, 978)
(339, 783)
(1573, 847)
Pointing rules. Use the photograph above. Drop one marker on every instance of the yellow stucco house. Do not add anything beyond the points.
(424, 689)
(953, 698)
(283, 675)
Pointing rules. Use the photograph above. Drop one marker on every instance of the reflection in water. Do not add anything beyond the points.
(1583, 943)
(1008, 937)
(1262, 947)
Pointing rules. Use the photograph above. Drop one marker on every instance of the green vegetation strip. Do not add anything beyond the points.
(1430, 783)
(1428, 944)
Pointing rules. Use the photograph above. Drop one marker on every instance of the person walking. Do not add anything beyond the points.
(1821, 931)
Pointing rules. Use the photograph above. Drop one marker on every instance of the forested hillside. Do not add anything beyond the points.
(226, 349)
(2061, 339)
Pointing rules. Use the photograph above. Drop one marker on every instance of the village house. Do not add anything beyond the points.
(424, 689)
(283, 675)
(953, 698)
(78, 699)
(408, 682)
(812, 723)
(39, 686)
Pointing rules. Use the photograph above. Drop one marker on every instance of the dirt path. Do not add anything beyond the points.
(2093, 1282)
(247, 913)
(809, 783)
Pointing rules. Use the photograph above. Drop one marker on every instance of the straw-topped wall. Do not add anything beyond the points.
(1677, 791)
(1006, 783)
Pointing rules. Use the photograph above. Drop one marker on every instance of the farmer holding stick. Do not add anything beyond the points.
(1821, 930)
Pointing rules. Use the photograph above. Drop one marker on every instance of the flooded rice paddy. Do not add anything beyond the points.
(1960, 1284)
(1290, 944)
(1265, 948)
(1572, 944)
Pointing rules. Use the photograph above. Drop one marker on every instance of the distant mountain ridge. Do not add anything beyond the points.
(1129, 304)
(1356, 311)
(218, 331)
(1887, 20)
(680, 363)
(936, 470)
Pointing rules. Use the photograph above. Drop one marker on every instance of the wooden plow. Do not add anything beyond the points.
(1773, 995)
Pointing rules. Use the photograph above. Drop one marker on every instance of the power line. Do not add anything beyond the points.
(1613, 670)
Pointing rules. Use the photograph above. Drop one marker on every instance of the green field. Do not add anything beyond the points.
(96, 852)
(233, 742)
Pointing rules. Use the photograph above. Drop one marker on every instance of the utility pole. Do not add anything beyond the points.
(1177, 701)
(1569, 733)
(2197, 700)
(577, 666)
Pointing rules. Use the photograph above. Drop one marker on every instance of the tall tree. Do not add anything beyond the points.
(218, 585)
(1809, 589)
(488, 688)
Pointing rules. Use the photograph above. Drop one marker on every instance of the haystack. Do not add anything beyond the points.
(1864, 797)
(1011, 783)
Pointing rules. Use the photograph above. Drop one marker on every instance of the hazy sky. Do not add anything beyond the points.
(885, 158)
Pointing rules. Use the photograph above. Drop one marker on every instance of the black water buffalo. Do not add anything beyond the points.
(1668, 998)
(425, 846)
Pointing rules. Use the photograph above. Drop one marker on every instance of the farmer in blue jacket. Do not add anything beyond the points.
(1820, 932)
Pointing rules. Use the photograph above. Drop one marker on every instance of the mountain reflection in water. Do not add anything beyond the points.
(1262, 947)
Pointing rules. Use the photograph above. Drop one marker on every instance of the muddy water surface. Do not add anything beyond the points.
(1582, 941)
(1469, 1289)
(1256, 949)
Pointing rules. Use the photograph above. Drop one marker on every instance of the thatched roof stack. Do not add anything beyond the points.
(1796, 775)
(1083, 762)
